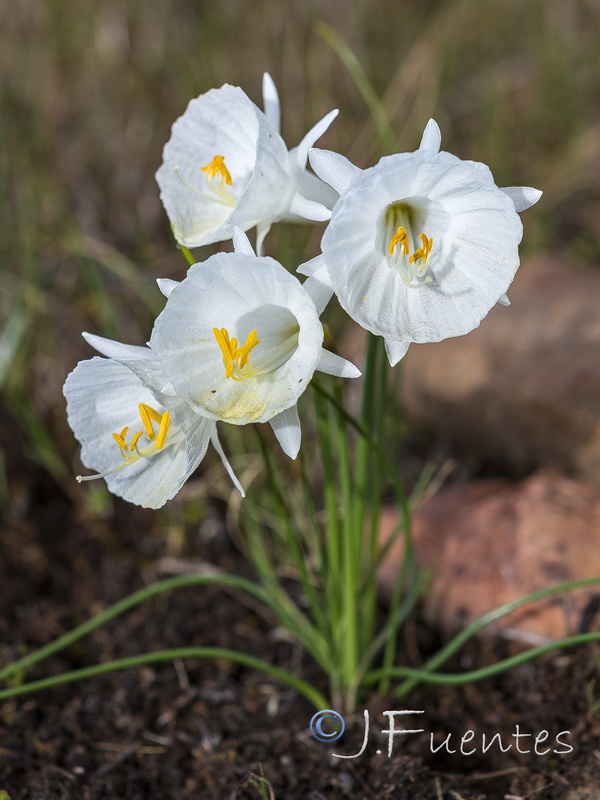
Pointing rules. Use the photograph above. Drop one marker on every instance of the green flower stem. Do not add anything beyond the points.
(370, 551)
(425, 676)
(492, 616)
(390, 469)
(187, 255)
(331, 575)
(292, 540)
(314, 696)
(129, 602)
(351, 557)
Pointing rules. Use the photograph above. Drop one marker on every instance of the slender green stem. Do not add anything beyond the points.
(187, 255)
(129, 602)
(331, 574)
(363, 450)
(351, 539)
(374, 517)
(424, 676)
(492, 616)
(375, 446)
(292, 540)
(314, 696)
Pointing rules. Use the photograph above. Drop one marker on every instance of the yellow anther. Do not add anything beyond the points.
(123, 433)
(147, 413)
(235, 358)
(422, 252)
(242, 353)
(217, 167)
(118, 437)
(162, 431)
(400, 238)
(135, 440)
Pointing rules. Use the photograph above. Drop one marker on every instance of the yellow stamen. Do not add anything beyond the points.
(135, 440)
(400, 238)
(235, 358)
(162, 431)
(147, 413)
(118, 437)
(123, 433)
(243, 352)
(217, 167)
(422, 252)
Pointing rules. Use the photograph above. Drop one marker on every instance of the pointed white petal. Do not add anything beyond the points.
(336, 365)
(166, 286)
(217, 445)
(308, 209)
(432, 137)
(318, 285)
(168, 390)
(333, 168)
(522, 196)
(315, 133)
(313, 188)
(116, 350)
(241, 243)
(286, 427)
(504, 301)
(271, 101)
(395, 350)
(309, 267)
(261, 231)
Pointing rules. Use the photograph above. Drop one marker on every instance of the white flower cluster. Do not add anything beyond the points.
(418, 248)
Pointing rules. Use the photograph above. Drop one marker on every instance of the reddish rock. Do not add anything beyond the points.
(491, 542)
(523, 389)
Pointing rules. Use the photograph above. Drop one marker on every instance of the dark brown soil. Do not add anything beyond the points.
(203, 730)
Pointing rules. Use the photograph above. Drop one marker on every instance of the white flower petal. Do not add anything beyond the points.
(395, 350)
(223, 122)
(472, 230)
(522, 196)
(262, 230)
(241, 243)
(286, 427)
(240, 294)
(332, 364)
(102, 399)
(226, 165)
(309, 267)
(271, 101)
(318, 286)
(308, 209)
(432, 137)
(333, 168)
(166, 286)
(315, 133)
(117, 350)
(504, 301)
(228, 468)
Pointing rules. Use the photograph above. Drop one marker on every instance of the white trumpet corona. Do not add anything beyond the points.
(421, 246)
(226, 165)
(143, 443)
(239, 340)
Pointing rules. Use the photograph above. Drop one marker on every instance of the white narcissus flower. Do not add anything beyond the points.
(420, 246)
(226, 165)
(240, 338)
(144, 444)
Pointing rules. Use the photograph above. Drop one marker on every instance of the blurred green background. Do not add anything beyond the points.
(90, 89)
